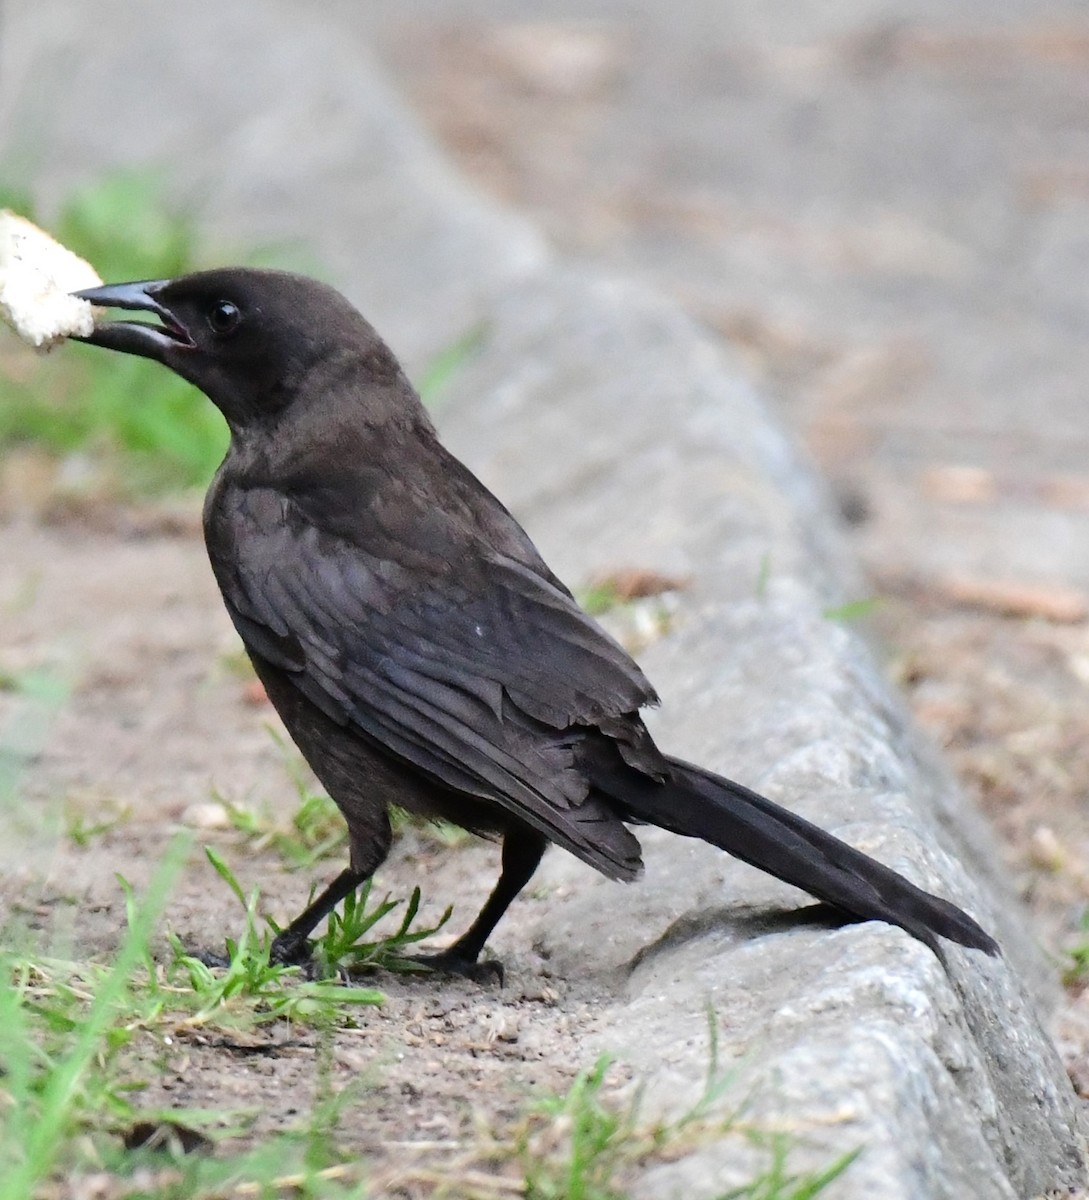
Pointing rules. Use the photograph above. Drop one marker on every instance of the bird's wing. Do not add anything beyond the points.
(481, 673)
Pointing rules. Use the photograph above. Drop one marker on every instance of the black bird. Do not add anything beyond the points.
(417, 647)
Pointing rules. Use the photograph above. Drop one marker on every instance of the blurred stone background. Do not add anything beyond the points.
(882, 205)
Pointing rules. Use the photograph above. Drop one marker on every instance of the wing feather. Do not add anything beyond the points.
(485, 677)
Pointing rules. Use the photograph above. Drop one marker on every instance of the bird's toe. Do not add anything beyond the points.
(290, 950)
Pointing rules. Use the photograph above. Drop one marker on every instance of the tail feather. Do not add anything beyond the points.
(696, 803)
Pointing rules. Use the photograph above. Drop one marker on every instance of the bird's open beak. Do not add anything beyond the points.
(136, 337)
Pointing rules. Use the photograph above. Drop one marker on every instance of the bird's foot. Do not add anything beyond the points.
(448, 963)
(291, 950)
(294, 951)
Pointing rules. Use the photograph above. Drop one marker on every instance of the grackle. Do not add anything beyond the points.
(417, 647)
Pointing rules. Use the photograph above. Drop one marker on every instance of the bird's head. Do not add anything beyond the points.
(247, 338)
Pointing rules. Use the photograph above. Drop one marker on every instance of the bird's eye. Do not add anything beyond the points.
(224, 317)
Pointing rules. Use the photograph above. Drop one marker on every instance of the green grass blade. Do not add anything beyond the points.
(45, 1138)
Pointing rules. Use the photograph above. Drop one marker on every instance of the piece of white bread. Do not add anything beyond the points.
(36, 276)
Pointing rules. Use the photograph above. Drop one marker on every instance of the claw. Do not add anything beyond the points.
(290, 950)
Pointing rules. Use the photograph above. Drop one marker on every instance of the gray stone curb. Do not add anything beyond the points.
(622, 437)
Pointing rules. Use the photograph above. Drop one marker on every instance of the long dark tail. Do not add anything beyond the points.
(696, 803)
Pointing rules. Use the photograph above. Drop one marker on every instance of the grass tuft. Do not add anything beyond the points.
(57, 1036)
(251, 989)
(1075, 974)
(581, 1146)
(344, 948)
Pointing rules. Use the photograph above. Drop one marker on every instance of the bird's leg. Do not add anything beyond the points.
(291, 945)
(369, 847)
(522, 851)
